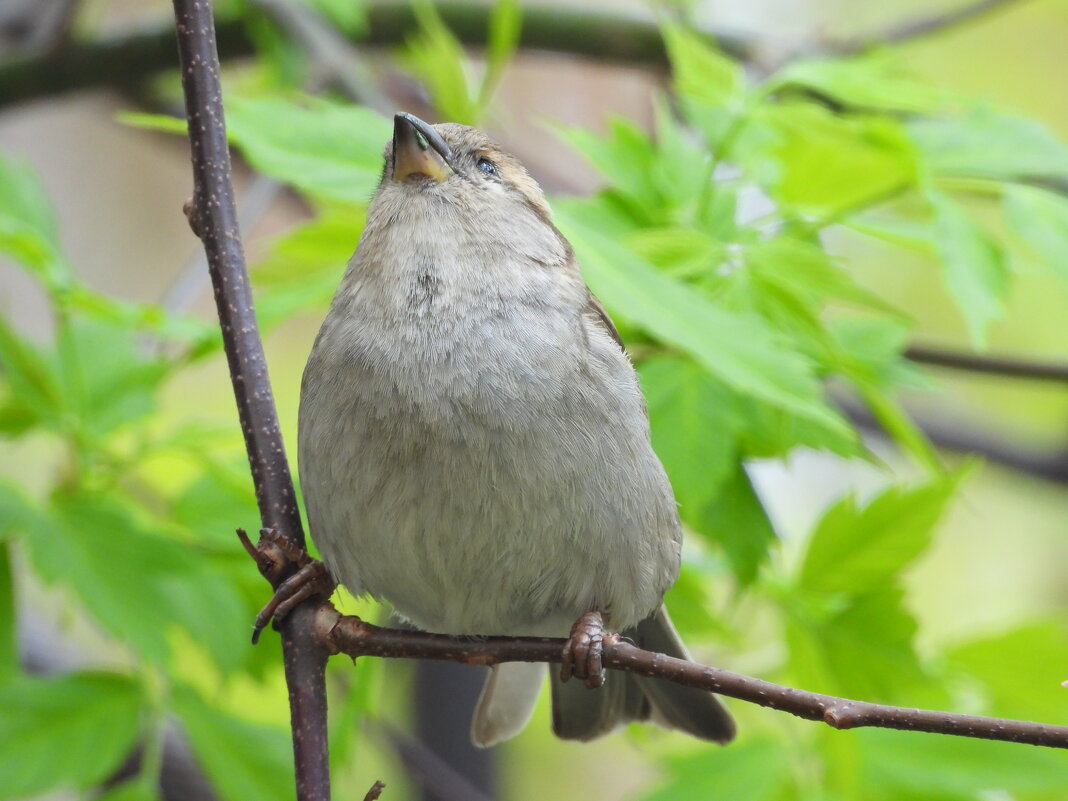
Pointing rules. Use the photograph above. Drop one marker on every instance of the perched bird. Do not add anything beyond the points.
(474, 447)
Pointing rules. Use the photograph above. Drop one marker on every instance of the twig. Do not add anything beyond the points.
(918, 28)
(213, 215)
(355, 638)
(1008, 366)
(434, 773)
(953, 435)
(192, 280)
(130, 59)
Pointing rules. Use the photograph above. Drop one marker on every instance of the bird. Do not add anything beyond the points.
(474, 447)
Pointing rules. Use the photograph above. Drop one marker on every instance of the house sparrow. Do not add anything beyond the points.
(474, 447)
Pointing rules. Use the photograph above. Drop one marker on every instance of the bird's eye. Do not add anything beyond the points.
(486, 166)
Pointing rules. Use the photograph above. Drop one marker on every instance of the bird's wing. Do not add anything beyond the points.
(596, 310)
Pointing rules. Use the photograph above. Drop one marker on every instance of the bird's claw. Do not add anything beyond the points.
(274, 554)
(583, 655)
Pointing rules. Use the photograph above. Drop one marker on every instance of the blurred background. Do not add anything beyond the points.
(994, 571)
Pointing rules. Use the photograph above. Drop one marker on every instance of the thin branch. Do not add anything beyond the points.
(436, 775)
(1008, 366)
(951, 434)
(919, 28)
(212, 213)
(355, 638)
(127, 60)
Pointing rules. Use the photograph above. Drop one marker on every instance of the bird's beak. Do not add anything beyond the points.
(419, 150)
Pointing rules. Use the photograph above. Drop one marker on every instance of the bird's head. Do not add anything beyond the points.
(456, 180)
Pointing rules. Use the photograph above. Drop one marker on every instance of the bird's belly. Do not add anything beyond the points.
(491, 521)
(506, 497)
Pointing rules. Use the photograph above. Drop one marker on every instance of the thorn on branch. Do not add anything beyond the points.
(192, 214)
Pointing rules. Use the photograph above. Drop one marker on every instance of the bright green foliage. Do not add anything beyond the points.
(124, 569)
(149, 570)
(846, 610)
(974, 265)
(243, 759)
(856, 550)
(436, 57)
(65, 732)
(989, 144)
(706, 245)
(952, 768)
(1037, 216)
(870, 81)
(348, 15)
(751, 771)
(326, 149)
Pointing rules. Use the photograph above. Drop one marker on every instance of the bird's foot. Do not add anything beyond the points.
(273, 554)
(584, 651)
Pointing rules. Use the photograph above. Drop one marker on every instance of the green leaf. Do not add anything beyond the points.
(750, 770)
(322, 148)
(32, 381)
(738, 521)
(437, 58)
(93, 544)
(949, 766)
(699, 71)
(1040, 219)
(28, 227)
(973, 265)
(873, 81)
(349, 16)
(873, 349)
(682, 252)
(625, 157)
(693, 419)
(132, 790)
(739, 349)
(65, 732)
(824, 163)
(244, 760)
(217, 503)
(692, 610)
(805, 271)
(9, 655)
(1021, 670)
(858, 646)
(855, 549)
(505, 25)
(896, 422)
(113, 381)
(989, 144)
(304, 266)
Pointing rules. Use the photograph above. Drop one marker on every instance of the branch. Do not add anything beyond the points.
(353, 637)
(919, 28)
(951, 434)
(130, 59)
(1008, 366)
(213, 215)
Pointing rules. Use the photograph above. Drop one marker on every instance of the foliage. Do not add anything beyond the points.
(706, 244)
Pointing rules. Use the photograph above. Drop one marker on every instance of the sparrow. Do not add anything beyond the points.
(474, 447)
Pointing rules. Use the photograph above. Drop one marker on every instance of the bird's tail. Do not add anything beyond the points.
(579, 713)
